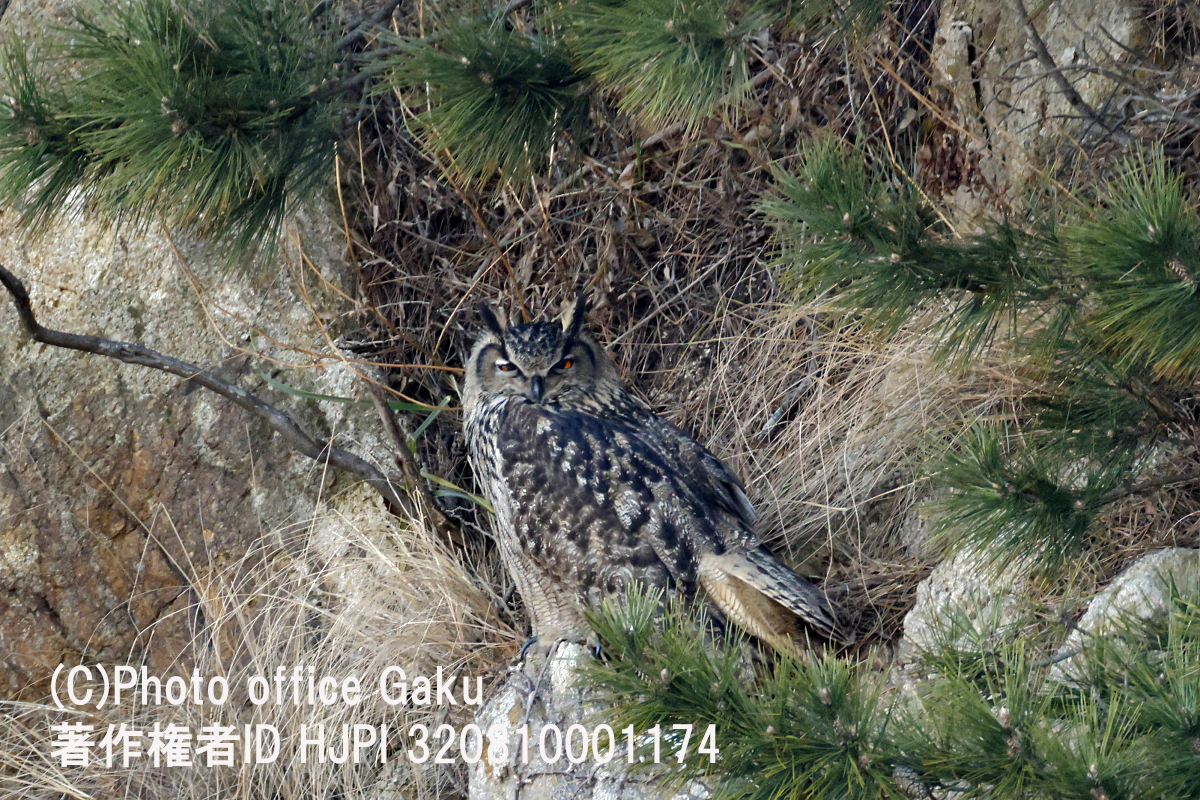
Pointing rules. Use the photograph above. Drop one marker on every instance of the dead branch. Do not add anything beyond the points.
(409, 467)
(280, 421)
(383, 14)
(1068, 89)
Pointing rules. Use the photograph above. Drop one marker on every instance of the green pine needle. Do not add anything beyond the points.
(879, 250)
(1025, 736)
(1143, 259)
(1124, 724)
(1094, 406)
(784, 729)
(1154, 671)
(993, 722)
(204, 119)
(983, 733)
(670, 60)
(1015, 498)
(499, 100)
(38, 146)
(1110, 304)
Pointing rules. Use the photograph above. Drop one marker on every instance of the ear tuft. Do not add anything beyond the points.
(573, 319)
(491, 320)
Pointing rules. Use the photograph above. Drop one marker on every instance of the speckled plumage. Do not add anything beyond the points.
(592, 490)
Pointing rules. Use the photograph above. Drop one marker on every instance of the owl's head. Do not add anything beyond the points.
(541, 361)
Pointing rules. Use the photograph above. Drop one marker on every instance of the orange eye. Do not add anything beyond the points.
(566, 363)
(505, 366)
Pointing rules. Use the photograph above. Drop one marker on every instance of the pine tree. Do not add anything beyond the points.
(219, 116)
(502, 92)
(991, 720)
(1101, 304)
(206, 116)
(498, 99)
(786, 729)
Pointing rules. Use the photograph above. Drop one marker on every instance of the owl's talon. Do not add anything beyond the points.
(592, 643)
(537, 682)
(530, 642)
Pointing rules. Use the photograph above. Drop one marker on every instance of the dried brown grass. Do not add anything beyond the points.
(345, 596)
(659, 230)
(833, 429)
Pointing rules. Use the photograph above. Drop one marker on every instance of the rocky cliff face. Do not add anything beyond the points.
(1006, 108)
(118, 482)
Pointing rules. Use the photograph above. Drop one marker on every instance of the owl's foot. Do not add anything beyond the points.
(538, 650)
(547, 637)
(530, 642)
(592, 642)
(537, 643)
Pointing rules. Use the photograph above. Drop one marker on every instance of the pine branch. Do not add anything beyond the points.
(1125, 724)
(1040, 499)
(499, 100)
(783, 729)
(177, 114)
(1140, 257)
(670, 61)
(280, 421)
(881, 251)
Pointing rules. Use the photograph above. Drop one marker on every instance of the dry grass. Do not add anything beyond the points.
(829, 427)
(660, 231)
(833, 429)
(344, 596)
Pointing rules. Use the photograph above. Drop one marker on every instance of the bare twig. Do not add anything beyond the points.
(360, 30)
(1068, 89)
(280, 421)
(513, 5)
(1151, 485)
(409, 466)
(1057, 658)
(1140, 93)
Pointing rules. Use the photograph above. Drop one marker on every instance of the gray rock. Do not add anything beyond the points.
(1002, 96)
(562, 700)
(965, 592)
(1140, 592)
(117, 482)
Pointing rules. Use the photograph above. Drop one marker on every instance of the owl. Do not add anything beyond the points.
(593, 491)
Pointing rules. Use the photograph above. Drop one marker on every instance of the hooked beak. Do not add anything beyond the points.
(536, 389)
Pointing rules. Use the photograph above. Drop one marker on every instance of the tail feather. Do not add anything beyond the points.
(760, 570)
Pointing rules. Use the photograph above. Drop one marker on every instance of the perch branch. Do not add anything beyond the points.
(280, 421)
